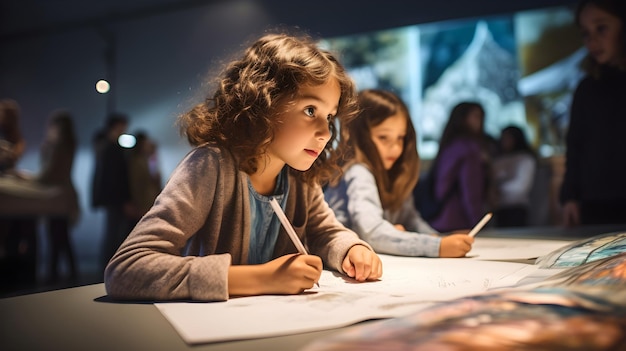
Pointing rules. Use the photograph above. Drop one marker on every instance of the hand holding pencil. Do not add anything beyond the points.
(480, 225)
(360, 263)
(459, 244)
(289, 228)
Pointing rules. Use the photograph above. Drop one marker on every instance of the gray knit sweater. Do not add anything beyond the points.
(200, 225)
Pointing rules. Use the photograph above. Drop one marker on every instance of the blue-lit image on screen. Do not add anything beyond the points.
(522, 67)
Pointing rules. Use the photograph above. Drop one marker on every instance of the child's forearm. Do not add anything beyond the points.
(245, 280)
(289, 274)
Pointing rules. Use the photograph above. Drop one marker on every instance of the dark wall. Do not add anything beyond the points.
(332, 18)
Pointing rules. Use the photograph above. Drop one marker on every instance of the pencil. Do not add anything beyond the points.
(480, 225)
(288, 228)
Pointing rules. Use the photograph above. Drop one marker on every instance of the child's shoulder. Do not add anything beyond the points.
(209, 148)
(208, 153)
(205, 162)
(357, 170)
(357, 167)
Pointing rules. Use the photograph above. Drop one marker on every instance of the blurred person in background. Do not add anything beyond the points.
(12, 143)
(593, 189)
(110, 187)
(57, 158)
(513, 175)
(145, 176)
(18, 232)
(461, 169)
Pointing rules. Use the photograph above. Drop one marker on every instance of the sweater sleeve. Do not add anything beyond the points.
(367, 217)
(150, 263)
(412, 220)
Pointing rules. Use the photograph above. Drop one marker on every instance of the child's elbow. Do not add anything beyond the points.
(113, 282)
(118, 283)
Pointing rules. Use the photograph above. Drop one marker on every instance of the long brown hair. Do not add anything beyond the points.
(457, 125)
(244, 112)
(394, 185)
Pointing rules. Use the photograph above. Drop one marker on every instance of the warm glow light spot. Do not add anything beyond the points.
(102, 86)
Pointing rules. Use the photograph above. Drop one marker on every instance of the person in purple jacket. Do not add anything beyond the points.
(461, 169)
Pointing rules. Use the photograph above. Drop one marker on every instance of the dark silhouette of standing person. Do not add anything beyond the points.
(593, 189)
(110, 188)
(57, 158)
(12, 143)
(18, 232)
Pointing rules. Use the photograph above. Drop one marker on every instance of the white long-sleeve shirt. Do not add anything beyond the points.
(514, 175)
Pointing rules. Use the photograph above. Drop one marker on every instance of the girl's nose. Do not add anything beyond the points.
(397, 147)
(323, 133)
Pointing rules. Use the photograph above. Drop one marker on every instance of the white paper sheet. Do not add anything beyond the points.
(512, 249)
(408, 284)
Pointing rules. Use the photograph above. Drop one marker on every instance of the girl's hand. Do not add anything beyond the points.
(289, 274)
(362, 264)
(455, 245)
(292, 274)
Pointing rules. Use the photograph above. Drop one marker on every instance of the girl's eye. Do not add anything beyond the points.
(329, 118)
(309, 111)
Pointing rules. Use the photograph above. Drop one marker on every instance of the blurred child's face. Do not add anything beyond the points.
(601, 32)
(304, 131)
(52, 134)
(507, 142)
(475, 120)
(389, 139)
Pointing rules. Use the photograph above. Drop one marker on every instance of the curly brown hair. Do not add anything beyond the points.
(396, 184)
(252, 93)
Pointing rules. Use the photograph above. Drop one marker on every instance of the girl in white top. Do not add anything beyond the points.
(374, 195)
(513, 174)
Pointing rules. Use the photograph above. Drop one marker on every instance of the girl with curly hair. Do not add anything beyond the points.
(268, 131)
